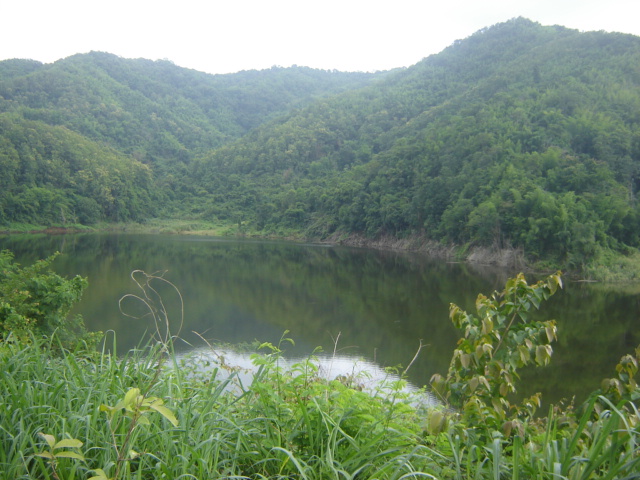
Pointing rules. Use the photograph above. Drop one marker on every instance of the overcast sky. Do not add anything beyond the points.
(224, 36)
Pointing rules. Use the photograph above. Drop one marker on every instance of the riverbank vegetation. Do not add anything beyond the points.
(69, 411)
(521, 138)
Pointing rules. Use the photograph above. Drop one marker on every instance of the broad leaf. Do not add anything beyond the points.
(68, 443)
(47, 455)
(50, 439)
(165, 412)
(131, 396)
(99, 475)
(67, 454)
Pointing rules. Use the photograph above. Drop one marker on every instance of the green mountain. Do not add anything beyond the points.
(154, 109)
(144, 112)
(519, 136)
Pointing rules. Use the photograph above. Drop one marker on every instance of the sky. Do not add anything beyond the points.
(226, 36)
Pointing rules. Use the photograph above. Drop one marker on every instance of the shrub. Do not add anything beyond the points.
(36, 301)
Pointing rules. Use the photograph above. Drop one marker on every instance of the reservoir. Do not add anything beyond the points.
(359, 305)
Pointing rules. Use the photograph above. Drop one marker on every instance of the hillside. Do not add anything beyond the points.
(51, 175)
(151, 113)
(520, 136)
(154, 109)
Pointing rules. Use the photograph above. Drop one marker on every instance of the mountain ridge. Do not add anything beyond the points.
(520, 136)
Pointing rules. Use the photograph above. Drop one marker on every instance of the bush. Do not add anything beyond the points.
(35, 301)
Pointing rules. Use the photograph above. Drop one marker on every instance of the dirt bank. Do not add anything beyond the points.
(504, 258)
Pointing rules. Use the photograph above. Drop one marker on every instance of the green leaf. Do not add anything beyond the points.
(487, 326)
(68, 443)
(436, 421)
(551, 333)
(108, 409)
(525, 355)
(465, 360)
(142, 420)
(67, 454)
(483, 380)
(543, 354)
(99, 475)
(165, 412)
(47, 455)
(130, 396)
(504, 389)
(473, 384)
(50, 439)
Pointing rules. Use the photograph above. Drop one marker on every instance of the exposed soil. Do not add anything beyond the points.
(505, 258)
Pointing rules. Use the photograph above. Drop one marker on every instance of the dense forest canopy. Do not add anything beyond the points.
(145, 112)
(519, 136)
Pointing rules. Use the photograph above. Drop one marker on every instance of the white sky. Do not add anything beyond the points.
(224, 36)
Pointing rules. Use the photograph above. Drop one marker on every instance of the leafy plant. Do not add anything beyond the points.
(502, 338)
(64, 448)
(135, 407)
(625, 386)
(294, 423)
(36, 301)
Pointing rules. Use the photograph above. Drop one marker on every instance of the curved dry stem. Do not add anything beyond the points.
(154, 304)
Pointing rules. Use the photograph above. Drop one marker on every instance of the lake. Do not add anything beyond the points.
(369, 306)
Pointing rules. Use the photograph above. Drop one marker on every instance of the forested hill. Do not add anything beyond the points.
(155, 109)
(520, 135)
(153, 113)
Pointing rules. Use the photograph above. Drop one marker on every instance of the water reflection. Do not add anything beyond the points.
(380, 304)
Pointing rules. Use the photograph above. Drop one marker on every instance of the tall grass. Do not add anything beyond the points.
(286, 424)
(283, 425)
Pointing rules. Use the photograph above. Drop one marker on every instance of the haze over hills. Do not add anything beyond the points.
(519, 136)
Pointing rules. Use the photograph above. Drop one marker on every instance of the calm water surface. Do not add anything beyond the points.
(376, 305)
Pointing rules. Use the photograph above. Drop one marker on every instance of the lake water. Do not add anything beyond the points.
(370, 307)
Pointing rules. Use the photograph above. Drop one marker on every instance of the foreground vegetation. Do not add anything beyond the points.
(69, 411)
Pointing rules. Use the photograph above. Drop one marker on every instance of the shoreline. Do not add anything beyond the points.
(508, 258)
(613, 267)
